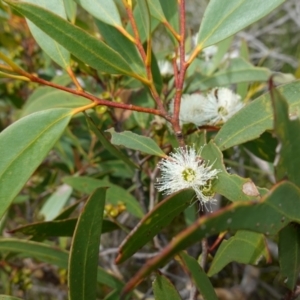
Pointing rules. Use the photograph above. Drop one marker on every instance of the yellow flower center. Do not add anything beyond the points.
(189, 175)
(222, 111)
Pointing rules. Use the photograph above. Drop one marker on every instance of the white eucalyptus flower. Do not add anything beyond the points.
(165, 67)
(184, 168)
(221, 104)
(192, 109)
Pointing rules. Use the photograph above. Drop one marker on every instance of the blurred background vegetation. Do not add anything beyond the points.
(273, 42)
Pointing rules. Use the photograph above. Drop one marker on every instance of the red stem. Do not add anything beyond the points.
(96, 99)
(180, 77)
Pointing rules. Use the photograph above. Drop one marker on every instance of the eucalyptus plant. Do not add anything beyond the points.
(136, 144)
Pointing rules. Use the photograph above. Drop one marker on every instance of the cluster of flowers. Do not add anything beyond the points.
(184, 168)
(215, 107)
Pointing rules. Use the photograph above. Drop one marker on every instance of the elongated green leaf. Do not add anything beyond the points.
(255, 118)
(84, 46)
(134, 141)
(170, 9)
(66, 212)
(232, 186)
(58, 228)
(6, 297)
(71, 8)
(138, 16)
(106, 11)
(59, 54)
(107, 144)
(238, 71)
(289, 255)
(122, 45)
(287, 132)
(115, 194)
(153, 222)
(242, 88)
(165, 12)
(201, 280)
(269, 216)
(51, 255)
(47, 98)
(156, 10)
(245, 247)
(224, 18)
(56, 202)
(24, 145)
(143, 14)
(84, 252)
(163, 289)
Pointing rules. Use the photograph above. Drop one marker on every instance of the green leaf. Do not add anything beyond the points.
(170, 9)
(115, 194)
(157, 78)
(242, 88)
(122, 45)
(287, 132)
(232, 186)
(289, 255)
(201, 280)
(256, 117)
(143, 15)
(264, 147)
(106, 11)
(66, 212)
(81, 44)
(134, 141)
(58, 228)
(59, 54)
(71, 8)
(84, 252)
(24, 146)
(153, 222)
(6, 297)
(138, 16)
(245, 247)
(47, 98)
(56, 202)
(165, 12)
(163, 289)
(52, 255)
(156, 10)
(107, 144)
(280, 207)
(238, 71)
(224, 18)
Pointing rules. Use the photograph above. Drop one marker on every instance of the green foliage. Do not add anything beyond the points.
(201, 280)
(136, 142)
(289, 255)
(222, 19)
(23, 152)
(245, 247)
(90, 105)
(85, 248)
(163, 289)
(151, 224)
(258, 116)
(59, 54)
